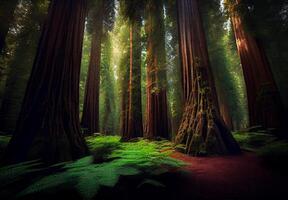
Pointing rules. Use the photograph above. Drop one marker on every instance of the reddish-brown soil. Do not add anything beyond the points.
(230, 177)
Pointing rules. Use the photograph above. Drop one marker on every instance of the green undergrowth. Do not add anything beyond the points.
(252, 140)
(272, 151)
(110, 160)
(4, 140)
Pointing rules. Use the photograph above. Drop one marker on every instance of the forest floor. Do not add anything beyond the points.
(231, 177)
(152, 170)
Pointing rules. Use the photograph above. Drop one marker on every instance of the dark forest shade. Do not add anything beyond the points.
(156, 106)
(7, 8)
(90, 117)
(48, 126)
(202, 128)
(264, 101)
(21, 66)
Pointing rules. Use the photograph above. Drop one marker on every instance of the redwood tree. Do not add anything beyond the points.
(90, 117)
(124, 116)
(48, 127)
(202, 128)
(135, 124)
(156, 106)
(133, 128)
(264, 101)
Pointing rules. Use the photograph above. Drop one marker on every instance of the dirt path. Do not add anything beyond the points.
(230, 177)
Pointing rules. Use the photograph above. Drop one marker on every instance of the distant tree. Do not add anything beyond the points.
(131, 11)
(175, 92)
(99, 10)
(90, 116)
(156, 105)
(202, 129)
(48, 127)
(109, 125)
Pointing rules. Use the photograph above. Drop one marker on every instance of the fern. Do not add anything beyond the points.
(87, 177)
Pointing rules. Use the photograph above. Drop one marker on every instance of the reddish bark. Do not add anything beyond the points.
(135, 124)
(156, 107)
(264, 101)
(202, 128)
(48, 127)
(224, 109)
(90, 117)
(124, 121)
(124, 118)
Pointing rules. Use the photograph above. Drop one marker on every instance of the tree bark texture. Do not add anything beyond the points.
(202, 129)
(48, 127)
(124, 117)
(90, 117)
(264, 101)
(224, 109)
(135, 124)
(156, 106)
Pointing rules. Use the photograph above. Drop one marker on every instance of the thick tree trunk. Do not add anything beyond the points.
(48, 127)
(90, 117)
(7, 8)
(202, 128)
(135, 124)
(264, 101)
(124, 118)
(125, 74)
(225, 109)
(156, 107)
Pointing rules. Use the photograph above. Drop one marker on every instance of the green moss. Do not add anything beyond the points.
(96, 143)
(253, 141)
(4, 141)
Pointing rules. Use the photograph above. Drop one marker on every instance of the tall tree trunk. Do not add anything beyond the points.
(135, 124)
(156, 107)
(124, 118)
(125, 76)
(48, 127)
(7, 8)
(90, 117)
(202, 128)
(107, 90)
(21, 66)
(264, 101)
(224, 108)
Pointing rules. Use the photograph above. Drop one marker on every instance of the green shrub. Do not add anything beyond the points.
(253, 140)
